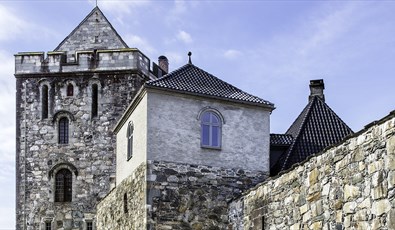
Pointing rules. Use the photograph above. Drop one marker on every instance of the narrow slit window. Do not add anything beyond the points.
(94, 100)
(44, 102)
(63, 186)
(210, 130)
(130, 141)
(70, 90)
(63, 130)
(125, 203)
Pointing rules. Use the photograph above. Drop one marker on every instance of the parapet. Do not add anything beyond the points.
(85, 61)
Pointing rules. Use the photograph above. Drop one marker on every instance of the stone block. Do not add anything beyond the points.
(351, 191)
(380, 207)
(349, 207)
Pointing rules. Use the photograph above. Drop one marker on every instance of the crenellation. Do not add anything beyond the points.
(89, 60)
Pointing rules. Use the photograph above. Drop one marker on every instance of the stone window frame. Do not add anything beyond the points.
(129, 136)
(95, 81)
(64, 194)
(88, 221)
(63, 130)
(44, 223)
(52, 178)
(221, 119)
(65, 88)
(59, 115)
(42, 83)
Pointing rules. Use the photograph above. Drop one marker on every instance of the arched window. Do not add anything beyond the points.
(70, 89)
(130, 140)
(94, 100)
(63, 186)
(125, 203)
(210, 130)
(63, 130)
(44, 102)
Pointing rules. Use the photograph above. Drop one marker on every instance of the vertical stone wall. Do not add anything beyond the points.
(185, 196)
(89, 154)
(350, 186)
(111, 210)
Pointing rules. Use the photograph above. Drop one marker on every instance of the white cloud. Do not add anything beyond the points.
(184, 37)
(140, 43)
(232, 54)
(175, 59)
(120, 6)
(11, 25)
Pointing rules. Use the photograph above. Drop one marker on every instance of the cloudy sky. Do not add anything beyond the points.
(268, 48)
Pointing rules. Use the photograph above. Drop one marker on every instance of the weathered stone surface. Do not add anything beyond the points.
(357, 193)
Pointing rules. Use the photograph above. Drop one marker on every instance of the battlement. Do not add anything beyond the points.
(91, 60)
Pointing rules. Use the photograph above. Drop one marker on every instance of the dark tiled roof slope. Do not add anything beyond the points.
(316, 128)
(193, 80)
(280, 139)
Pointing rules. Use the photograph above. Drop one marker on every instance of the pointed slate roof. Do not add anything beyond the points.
(94, 32)
(190, 79)
(316, 128)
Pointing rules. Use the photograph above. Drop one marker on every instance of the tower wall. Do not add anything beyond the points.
(89, 154)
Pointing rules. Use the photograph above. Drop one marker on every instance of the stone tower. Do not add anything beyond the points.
(67, 103)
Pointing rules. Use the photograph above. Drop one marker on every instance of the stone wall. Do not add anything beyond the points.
(100, 60)
(185, 196)
(178, 196)
(349, 186)
(111, 213)
(89, 154)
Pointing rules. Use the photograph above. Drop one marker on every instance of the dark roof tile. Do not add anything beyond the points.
(316, 128)
(193, 80)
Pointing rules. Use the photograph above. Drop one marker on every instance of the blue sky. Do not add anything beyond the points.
(268, 48)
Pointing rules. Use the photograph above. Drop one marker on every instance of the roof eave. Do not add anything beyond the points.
(270, 107)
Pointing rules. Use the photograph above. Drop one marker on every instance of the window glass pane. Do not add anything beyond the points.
(205, 135)
(214, 119)
(215, 136)
(206, 117)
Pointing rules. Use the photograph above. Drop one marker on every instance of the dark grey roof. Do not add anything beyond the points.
(193, 80)
(280, 139)
(316, 128)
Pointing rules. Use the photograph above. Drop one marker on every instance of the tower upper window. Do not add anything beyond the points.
(130, 140)
(70, 89)
(211, 125)
(64, 130)
(94, 100)
(63, 185)
(44, 102)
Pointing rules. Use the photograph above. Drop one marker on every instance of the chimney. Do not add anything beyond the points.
(317, 89)
(163, 63)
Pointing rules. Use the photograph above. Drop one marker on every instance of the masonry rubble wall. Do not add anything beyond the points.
(349, 186)
(179, 196)
(89, 154)
(111, 213)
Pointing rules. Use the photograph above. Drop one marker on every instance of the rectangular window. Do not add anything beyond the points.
(89, 225)
(48, 226)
